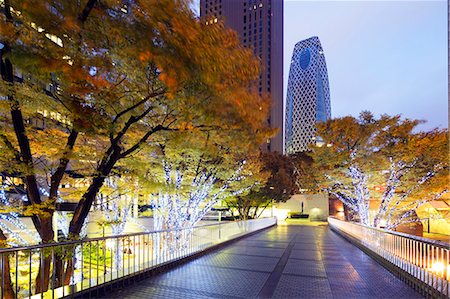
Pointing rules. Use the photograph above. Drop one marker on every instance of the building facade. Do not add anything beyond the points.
(308, 96)
(259, 24)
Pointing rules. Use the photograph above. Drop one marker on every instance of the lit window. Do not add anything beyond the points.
(54, 39)
(39, 29)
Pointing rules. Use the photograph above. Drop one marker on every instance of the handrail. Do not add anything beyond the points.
(425, 263)
(74, 242)
(79, 266)
(409, 236)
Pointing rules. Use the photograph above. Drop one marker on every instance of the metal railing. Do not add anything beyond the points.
(74, 267)
(426, 260)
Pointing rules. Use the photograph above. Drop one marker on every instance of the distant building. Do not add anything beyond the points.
(259, 24)
(308, 96)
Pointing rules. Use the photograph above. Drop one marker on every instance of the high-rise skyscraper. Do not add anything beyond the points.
(259, 24)
(308, 95)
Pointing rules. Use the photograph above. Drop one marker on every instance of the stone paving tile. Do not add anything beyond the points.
(162, 292)
(262, 244)
(258, 251)
(236, 261)
(228, 282)
(305, 255)
(316, 263)
(302, 287)
(311, 247)
(353, 274)
(305, 268)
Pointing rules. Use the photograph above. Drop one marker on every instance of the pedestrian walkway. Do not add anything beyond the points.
(283, 262)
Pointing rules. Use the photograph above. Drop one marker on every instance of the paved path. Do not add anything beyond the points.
(282, 262)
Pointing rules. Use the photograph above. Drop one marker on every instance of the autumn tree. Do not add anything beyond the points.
(106, 79)
(281, 184)
(384, 160)
(194, 170)
(305, 174)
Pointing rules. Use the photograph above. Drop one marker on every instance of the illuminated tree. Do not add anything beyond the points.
(197, 172)
(382, 159)
(87, 85)
(278, 186)
(11, 223)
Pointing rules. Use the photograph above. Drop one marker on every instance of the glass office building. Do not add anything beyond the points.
(308, 96)
(259, 25)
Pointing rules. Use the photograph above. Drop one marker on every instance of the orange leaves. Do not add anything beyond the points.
(185, 126)
(48, 143)
(98, 81)
(145, 56)
(170, 81)
(7, 30)
(188, 34)
(70, 24)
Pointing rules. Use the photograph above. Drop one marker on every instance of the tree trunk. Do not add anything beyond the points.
(43, 276)
(58, 277)
(84, 205)
(43, 224)
(255, 212)
(70, 269)
(262, 211)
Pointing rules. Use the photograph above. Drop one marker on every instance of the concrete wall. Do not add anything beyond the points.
(316, 205)
(439, 222)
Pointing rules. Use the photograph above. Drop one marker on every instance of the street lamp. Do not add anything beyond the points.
(428, 210)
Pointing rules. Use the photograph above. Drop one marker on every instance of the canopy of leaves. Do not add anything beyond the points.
(127, 78)
(281, 184)
(403, 168)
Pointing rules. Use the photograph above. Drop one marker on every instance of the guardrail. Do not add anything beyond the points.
(78, 266)
(424, 263)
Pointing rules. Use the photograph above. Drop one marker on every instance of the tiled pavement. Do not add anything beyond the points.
(282, 262)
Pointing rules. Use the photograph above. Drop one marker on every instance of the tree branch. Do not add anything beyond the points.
(11, 147)
(141, 102)
(86, 11)
(63, 162)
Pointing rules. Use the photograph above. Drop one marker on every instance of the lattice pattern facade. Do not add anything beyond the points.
(308, 95)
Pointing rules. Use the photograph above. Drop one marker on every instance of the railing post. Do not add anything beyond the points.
(425, 260)
(75, 255)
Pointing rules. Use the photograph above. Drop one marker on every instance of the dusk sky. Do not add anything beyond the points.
(382, 56)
